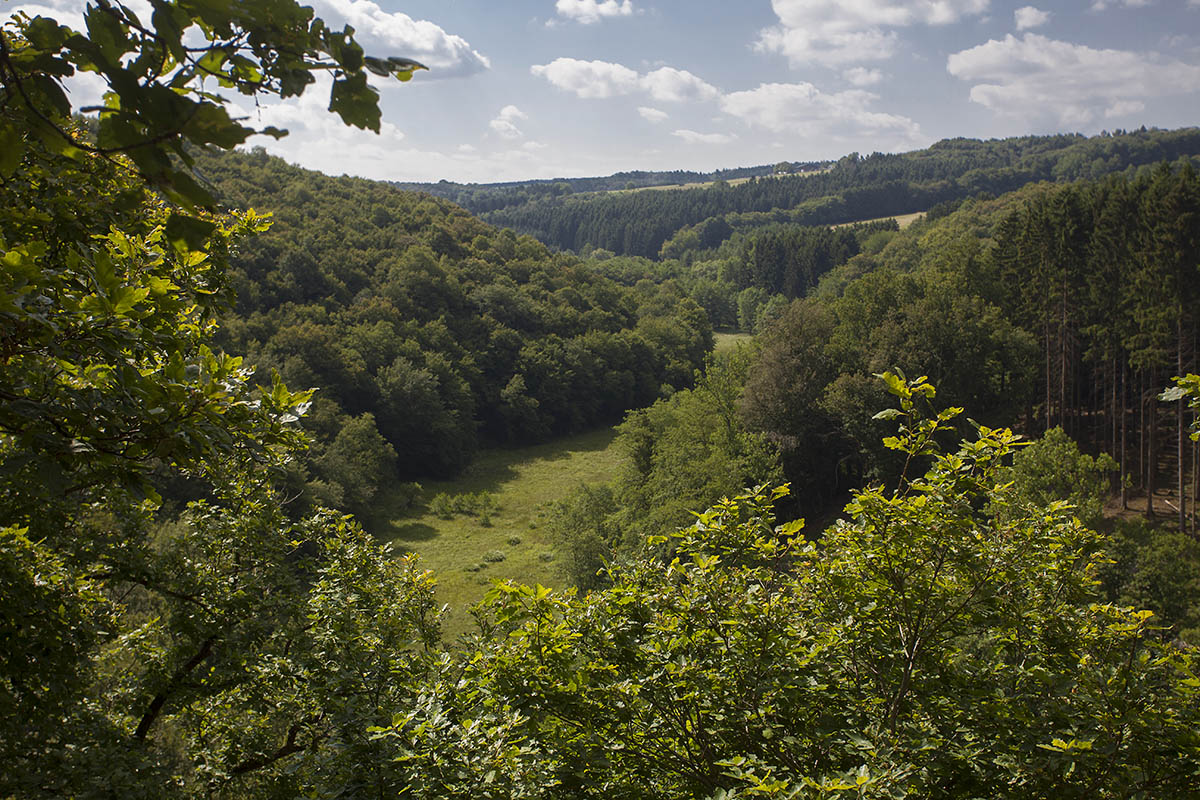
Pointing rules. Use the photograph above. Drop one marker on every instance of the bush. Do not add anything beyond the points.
(493, 556)
(1052, 468)
(441, 506)
(1158, 569)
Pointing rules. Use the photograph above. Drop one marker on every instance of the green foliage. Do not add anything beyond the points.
(452, 334)
(223, 649)
(359, 459)
(685, 452)
(167, 648)
(856, 188)
(1186, 388)
(442, 506)
(929, 645)
(156, 104)
(1052, 469)
(588, 534)
(1159, 569)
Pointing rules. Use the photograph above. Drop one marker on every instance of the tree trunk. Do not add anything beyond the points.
(1180, 447)
(1048, 375)
(1124, 459)
(1151, 446)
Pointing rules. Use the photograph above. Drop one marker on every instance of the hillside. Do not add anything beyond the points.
(430, 333)
(481, 198)
(855, 188)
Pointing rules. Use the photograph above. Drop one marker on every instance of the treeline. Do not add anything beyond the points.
(483, 198)
(746, 280)
(1107, 277)
(855, 188)
(430, 332)
(1057, 307)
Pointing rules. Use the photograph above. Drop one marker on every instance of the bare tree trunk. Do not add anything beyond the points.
(1195, 479)
(1141, 397)
(1048, 375)
(1179, 444)
(1151, 445)
(1063, 419)
(1124, 459)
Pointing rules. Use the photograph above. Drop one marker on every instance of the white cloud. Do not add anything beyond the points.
(590, 11)
(447, 55)
(588, 79)
(601, 79)
(505, 123)
(533, 147)
(1123, 108)
(804, 110)
(319, 138)
(1035, 77)
(836, 32)
(861, 76)
(677, 85)
(66, 12)
(652, 114)
(1028, 17)
(1101, 5)
(692, 137)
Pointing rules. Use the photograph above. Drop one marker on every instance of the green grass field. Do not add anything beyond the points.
(726, 341)
(463, 553)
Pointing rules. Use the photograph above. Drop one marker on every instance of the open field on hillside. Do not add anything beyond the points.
(726, 341)
(465, 554)
(707, 184)
(903, 220)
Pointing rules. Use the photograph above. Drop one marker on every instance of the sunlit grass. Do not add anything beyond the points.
(522, 482)
(724, 342)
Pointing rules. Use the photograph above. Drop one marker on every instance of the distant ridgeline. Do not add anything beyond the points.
(570, 214)
(481, 198)
(429, 331)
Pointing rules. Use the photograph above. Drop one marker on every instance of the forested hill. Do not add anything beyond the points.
(481, 198)
(429, 332)
(855, 188)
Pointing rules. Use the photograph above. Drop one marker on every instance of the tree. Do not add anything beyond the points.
(155, 70)
(931, 644)
(1052, 469)
(165, 647)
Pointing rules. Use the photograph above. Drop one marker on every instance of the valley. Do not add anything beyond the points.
(875, 477)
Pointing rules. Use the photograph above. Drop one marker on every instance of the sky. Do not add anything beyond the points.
(528, 89)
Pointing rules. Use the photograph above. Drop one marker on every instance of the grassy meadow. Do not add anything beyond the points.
(466, 552)
(725, 341)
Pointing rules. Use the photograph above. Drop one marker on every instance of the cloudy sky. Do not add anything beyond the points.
(549, 88)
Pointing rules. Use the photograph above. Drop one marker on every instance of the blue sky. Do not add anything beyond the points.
(550, 88)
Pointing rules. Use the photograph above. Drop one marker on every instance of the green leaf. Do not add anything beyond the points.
(12, 147)
(188, 233)
(356, 102)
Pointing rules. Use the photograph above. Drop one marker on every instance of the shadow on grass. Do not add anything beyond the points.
(395, 517)
(411, 532)
(494, 468)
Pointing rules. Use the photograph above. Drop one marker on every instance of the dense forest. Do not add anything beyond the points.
(178, 621)
(854, 188)
(482, 198)
(430, 332)
(1058, 307)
